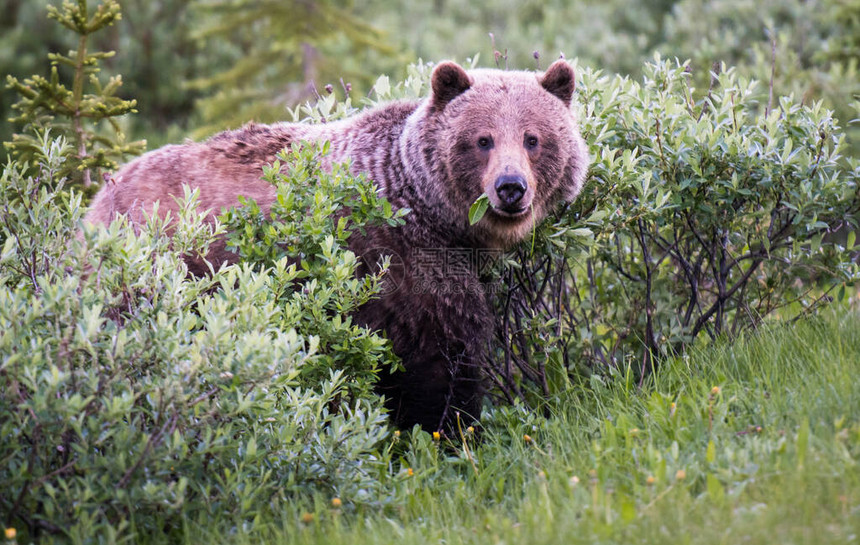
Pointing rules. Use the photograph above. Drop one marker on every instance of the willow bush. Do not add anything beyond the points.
(137, 397)
(706, 212)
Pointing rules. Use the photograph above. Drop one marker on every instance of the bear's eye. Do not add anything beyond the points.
(531, 142)
(485, 143)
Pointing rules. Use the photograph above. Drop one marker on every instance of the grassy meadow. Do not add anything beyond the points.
(756, 441)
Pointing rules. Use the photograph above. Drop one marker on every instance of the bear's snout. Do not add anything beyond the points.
(510, 188)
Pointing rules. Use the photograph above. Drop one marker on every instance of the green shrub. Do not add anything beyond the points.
(137, 397)
(701, 217)
(304, 242)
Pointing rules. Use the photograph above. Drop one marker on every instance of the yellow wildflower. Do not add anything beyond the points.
(335, 502)
(436, 436)
(680, 475)
(11, 533)
(527, 438)
(650, 480)
(307, 518)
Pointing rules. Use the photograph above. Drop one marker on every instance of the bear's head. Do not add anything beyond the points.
(510, 135)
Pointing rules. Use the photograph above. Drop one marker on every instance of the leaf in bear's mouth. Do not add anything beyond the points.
(478, 209)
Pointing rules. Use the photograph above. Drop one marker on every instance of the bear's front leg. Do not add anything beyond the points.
(434, 389)
(440, 326)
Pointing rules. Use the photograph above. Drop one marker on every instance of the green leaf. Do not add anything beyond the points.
(8, 250)
(715, 489)
(382, 87)
(478, 209)
(815, 243)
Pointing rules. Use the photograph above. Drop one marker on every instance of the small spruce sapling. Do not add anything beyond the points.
(74, 113)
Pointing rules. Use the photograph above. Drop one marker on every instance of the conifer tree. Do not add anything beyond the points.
(289, 49)
(87, 113)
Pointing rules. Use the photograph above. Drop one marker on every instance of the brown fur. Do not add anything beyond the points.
(423, 155)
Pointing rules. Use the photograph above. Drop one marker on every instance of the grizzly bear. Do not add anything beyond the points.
(508, 135)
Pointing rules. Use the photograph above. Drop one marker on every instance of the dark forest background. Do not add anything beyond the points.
(198, 66)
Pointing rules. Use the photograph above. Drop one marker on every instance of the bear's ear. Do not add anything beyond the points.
(560, 80)
(449, 80)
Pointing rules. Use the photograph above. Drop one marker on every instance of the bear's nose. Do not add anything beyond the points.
(510, 188)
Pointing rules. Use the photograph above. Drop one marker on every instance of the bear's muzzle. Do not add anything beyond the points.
(510, 189)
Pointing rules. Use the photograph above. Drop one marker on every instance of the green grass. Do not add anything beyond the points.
(756, 441)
